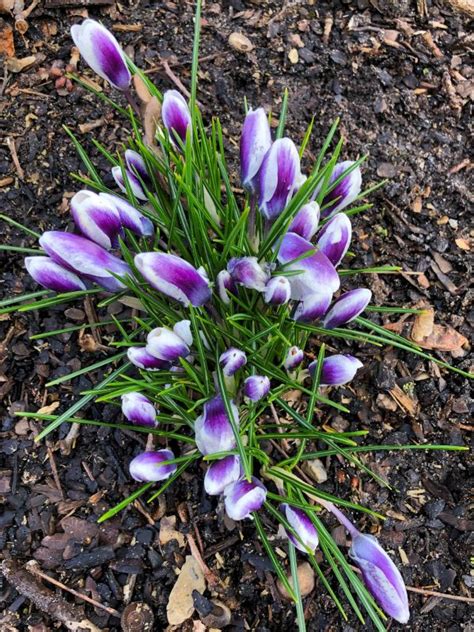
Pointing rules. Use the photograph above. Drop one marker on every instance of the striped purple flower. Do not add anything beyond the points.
(213, 429)
(96, 218)
(222, 473)
(147, 467)
(347, 307)
(244, 497)
(139, 410)
(53, 276)
(175, 114)
(335, 238)
(279, 177)
(345, 192)
(255, 142)
(337, 369)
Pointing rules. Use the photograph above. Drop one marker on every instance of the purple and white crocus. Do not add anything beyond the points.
(306, 221)
(170, 345)
(139, 410)
(140, 358)
(213, 429)
(277, 291)
(337, 369)
(133, 181)
(255, 142)
(244, 497)
(279, 177)
(148, 466)
(256, 387)
(53, 276)
(102, 53)
(347, 307)
(335, 237)
(96, 218)
(345, 191)
(303, 527)
(222, 473)
(176, 115)
(130, 217)
(294, 357)
(232, 360)
(248, 272)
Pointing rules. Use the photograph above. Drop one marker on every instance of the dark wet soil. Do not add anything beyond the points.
(400, 82)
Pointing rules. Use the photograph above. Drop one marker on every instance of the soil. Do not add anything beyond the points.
(397, 75)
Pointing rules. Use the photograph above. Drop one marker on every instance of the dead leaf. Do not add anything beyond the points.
(168, 531)
(180, 604)
(131, 301)
(151, 119)
(7, 46)
(48, 410)
(141, 89)
(423, 325)
(442, 338)
(17, 65)
(407, 403)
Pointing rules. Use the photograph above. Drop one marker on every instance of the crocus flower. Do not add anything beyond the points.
(316, 272)
(134, 182)
(140, 357)
(255, 141)
(175, 114)
(277, 291)
(102, 53)
(232, 360)
(313, 306)
(244, 497)
(256, 387)
(137, 165)
(248, 272)
(347, 307)
(382, 577)
(213, 429)
(175, 277)
(96, 218)
(306, 221)
(169, 345)
(294, 358)
(303, 527)
(53, 276)
(138, 409)
(147, 466)
(222, 473)
(337, 369)
(130, 217)
(335, 238)
(345, 192)
(225, 284)
(278, 177)
(84, 257)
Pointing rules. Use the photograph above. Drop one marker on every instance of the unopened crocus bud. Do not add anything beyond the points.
(140, 357)
(306, 221)
(232, 360)
(294, 358)
(316, 274)
(175, 114)
(213, 429)
(303, 527)
(169, 345)
(248, 272)
(313, 306)
(345, 192)
(133, 181)
(96, 218)
(335, 238)
(244, 497)
(102, 53)
(278, 177)
(256, 387)
(222, 473)
(175, 277)
(255, 142)
(138, 409)
(53, 276)
(337, 369)
(347, 307)
(84, 257)
(277, 291)
(147, 467)
(130, 217)
(381, 576)
(136, 164)
(225, 284)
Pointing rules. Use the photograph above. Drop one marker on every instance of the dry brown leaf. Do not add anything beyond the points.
(409, 404)
(133, 302)
(151, 119)
(142, 91)
(423, 325)
(443, 338)
(48, 410)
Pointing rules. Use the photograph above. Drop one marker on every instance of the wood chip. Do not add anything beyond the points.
(180, 604)
(7, 46)
(168, 531)
(462, 243)
(240, 42)
(293, 56)
(423, 325)
(17, 65)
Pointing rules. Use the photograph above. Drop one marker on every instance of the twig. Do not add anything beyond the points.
(176, 80)
(34, 568)
(70, 615)
(328, 24)
(211, 578)
(434, 593)
(54, 470)
(12, 147)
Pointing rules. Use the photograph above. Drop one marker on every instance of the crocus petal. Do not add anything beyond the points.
(244, 497)
(175, 114)
(294, 358)
(96, 218)
(248, 272)
(102, 53)
(146, 467)
(175, 277)
(130, 217)
(278, 177)
(183, 330)
(256, 387)
(335, 238)
(337, 369)
(52, 276)
(277, 291)
(84, 257)
(140, 357)
(213, 429)
(232, 360)
(133, 181)
(166, 345)
(316, 272)
(347, 307)
(382, 577)
(306, 221)
(225, 284)
(313, 306)
(222, 473)
(303, 527)
(138, 409)
(255, 141)
(345, 192)
(137, 166)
